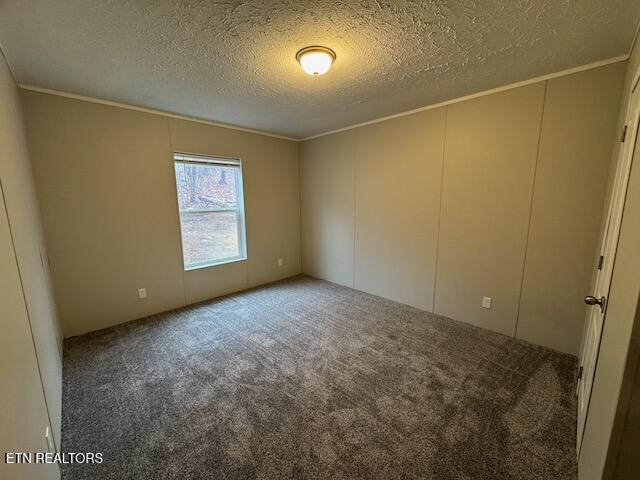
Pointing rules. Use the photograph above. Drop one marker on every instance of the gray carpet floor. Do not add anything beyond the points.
(303, 379)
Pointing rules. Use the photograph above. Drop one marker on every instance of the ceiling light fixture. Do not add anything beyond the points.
(316, 60)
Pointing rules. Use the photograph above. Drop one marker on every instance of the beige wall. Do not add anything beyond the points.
(490, 156)
(328, 208)
(23, 411)
(568, 196)
(396, 212)
(106, 187)
(621, 310)
(364, 177)
(30, 365)
(372, 197)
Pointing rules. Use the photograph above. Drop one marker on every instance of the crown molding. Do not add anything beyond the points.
(562, 73)
(582, 68)
(151, 111)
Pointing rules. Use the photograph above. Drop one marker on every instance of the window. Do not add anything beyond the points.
(211, 210)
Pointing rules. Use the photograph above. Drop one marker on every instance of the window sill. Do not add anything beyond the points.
(215, 263)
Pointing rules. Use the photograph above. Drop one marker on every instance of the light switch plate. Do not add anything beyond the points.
(47, 436)
(142, 292)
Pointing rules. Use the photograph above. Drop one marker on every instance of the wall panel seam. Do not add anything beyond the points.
(531, 199)
(171, 150)
(435, 267)
(354, 161)
(299, 148)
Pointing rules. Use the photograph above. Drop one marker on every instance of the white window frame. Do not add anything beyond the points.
(189, 158)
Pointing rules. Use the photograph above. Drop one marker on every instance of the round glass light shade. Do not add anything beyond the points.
(316, 60)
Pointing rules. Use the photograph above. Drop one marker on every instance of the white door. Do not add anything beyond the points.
(598, 299)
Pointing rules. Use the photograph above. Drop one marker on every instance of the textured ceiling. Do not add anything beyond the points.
(234, 61)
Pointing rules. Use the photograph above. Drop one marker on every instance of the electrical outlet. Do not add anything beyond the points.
(280, 262)
(142, 293)
(486, 302)
(47, 436)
